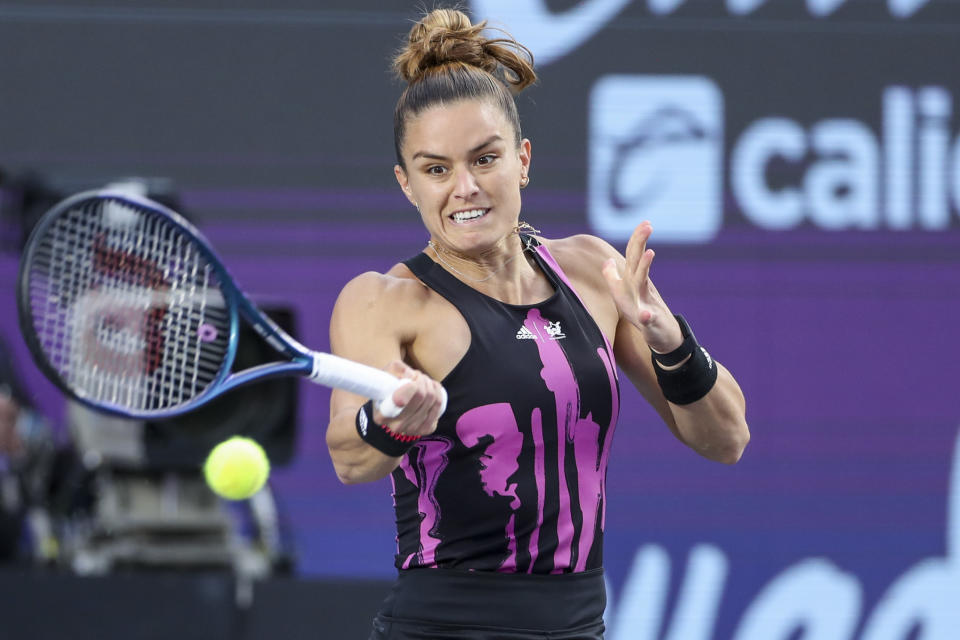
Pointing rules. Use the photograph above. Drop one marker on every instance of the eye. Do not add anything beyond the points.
(486, 159)
(436, 170)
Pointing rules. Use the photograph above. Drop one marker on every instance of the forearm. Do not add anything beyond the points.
(696, 397)
(715, 426)
(354, 460)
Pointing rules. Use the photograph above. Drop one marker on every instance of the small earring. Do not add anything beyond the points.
(417, 206)
(524, 181)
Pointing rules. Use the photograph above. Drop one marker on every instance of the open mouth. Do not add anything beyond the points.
(470, 215)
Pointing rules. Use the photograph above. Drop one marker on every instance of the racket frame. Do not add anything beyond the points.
(301, 359)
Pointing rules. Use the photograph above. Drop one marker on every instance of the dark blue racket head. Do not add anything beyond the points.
(125, 307)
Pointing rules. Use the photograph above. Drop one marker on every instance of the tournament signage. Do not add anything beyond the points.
(657, 153)
(748, 114)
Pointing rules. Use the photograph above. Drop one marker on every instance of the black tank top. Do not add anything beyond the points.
(513, 479)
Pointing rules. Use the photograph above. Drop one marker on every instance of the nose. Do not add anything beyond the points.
(465, 186)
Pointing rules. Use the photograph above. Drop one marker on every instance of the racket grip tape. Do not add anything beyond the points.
(361, 379)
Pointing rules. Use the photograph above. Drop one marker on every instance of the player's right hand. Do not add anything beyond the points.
(420, 400)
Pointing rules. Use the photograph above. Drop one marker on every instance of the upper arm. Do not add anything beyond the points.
(366, 327)
(357, 326)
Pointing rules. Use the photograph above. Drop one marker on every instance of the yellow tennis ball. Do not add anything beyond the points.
(236, 468)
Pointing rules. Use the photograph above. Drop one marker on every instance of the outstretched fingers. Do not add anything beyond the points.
(637, 247)
(629, 281)
(619, 288)
(644, 276)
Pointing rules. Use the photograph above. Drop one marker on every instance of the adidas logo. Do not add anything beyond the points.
(525, 334)
(554, 332)
(709, 359)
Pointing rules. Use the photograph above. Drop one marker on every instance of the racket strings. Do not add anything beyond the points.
(126, 308)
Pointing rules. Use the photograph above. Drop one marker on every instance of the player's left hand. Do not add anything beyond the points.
(637, 298)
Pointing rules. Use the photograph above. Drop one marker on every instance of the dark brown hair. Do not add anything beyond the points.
(447, 59)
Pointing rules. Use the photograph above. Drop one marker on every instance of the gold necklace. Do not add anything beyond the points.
(527, 246)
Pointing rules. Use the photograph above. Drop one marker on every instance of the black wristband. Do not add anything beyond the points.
(675, 357)
(379, 436)
(695, 378)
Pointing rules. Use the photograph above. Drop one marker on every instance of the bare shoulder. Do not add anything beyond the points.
(381, 317)
(381, 299)
(581, 256)
(372, 289)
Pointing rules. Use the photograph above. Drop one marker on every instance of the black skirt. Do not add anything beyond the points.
(450, 604)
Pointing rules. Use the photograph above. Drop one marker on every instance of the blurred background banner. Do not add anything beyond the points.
(799, 159)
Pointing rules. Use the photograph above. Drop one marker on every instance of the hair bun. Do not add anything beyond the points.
(447, 37)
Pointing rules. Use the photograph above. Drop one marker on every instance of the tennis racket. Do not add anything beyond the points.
(125, 307)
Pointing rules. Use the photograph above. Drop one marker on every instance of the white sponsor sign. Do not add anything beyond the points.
(656, 153)
(857, 179)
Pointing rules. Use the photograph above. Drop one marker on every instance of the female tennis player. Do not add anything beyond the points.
(500, 501)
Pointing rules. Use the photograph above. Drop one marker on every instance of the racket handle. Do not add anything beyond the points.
(361, 379)
(387, 407)
(389, 410)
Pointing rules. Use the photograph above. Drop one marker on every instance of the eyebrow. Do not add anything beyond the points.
(435, 156)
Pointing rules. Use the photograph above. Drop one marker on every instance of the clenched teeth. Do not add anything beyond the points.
(463, 216)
